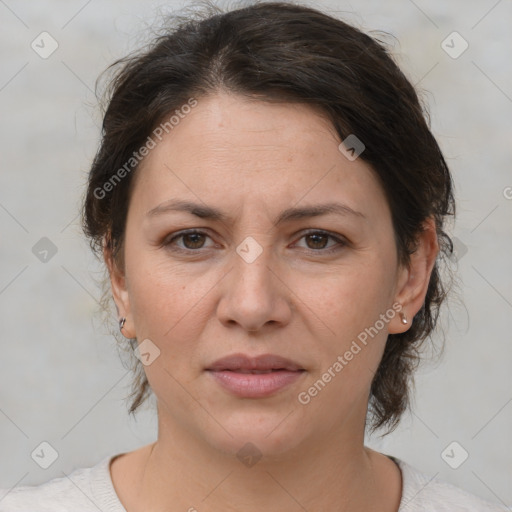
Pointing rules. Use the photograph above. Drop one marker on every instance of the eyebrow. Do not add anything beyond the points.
(207, 212)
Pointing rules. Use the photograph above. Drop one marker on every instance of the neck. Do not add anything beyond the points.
(332, 472)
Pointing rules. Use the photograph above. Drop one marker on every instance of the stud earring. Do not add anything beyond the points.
(403, 317)
(121, 323)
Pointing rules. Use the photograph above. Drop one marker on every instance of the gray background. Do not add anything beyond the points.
(61, 379)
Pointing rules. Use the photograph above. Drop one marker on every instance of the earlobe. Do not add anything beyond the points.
(401, 320)
(413, 281)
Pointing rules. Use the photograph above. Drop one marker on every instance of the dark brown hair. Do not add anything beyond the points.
(287, 53)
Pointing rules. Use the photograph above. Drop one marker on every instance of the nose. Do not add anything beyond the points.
(254, 293)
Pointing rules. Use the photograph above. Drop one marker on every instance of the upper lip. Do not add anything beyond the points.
(262, 362)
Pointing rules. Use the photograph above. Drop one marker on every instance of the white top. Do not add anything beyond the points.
(91, 489)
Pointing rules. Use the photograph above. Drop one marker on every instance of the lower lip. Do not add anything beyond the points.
(255, 385)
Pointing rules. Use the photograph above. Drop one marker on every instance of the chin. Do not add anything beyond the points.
(259, 434)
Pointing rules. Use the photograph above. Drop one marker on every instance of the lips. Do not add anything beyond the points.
(255, 377)
(266, 363)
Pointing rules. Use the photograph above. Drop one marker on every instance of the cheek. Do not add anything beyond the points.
(350, 304)
(168, 311)
(160, 302)
(169, 304)
(349, 352)
(350, 299)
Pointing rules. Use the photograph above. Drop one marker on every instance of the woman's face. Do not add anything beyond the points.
(249, 284)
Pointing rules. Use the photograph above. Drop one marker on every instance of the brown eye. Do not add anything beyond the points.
(190, 241)
(193, 240)
(317, 241)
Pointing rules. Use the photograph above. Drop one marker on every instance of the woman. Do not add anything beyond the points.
(269, 202)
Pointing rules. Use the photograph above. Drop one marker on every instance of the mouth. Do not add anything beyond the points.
(265, 363)
(257, 372)
(258, 377)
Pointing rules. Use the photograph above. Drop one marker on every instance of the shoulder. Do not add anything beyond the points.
(83, 490)
(423, 493)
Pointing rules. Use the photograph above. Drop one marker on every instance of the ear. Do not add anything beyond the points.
(413, 281)
(119, 290)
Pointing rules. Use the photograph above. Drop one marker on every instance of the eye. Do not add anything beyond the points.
(317, 241)
(192, 240)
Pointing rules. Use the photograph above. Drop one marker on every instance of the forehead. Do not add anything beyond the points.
(229, 149)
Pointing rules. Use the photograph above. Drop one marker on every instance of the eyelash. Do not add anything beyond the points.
(181, 234)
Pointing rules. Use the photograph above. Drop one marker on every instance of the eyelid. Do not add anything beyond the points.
(179, 234)
(339, 239)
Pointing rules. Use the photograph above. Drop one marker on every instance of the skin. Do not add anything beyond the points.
(253, 159)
